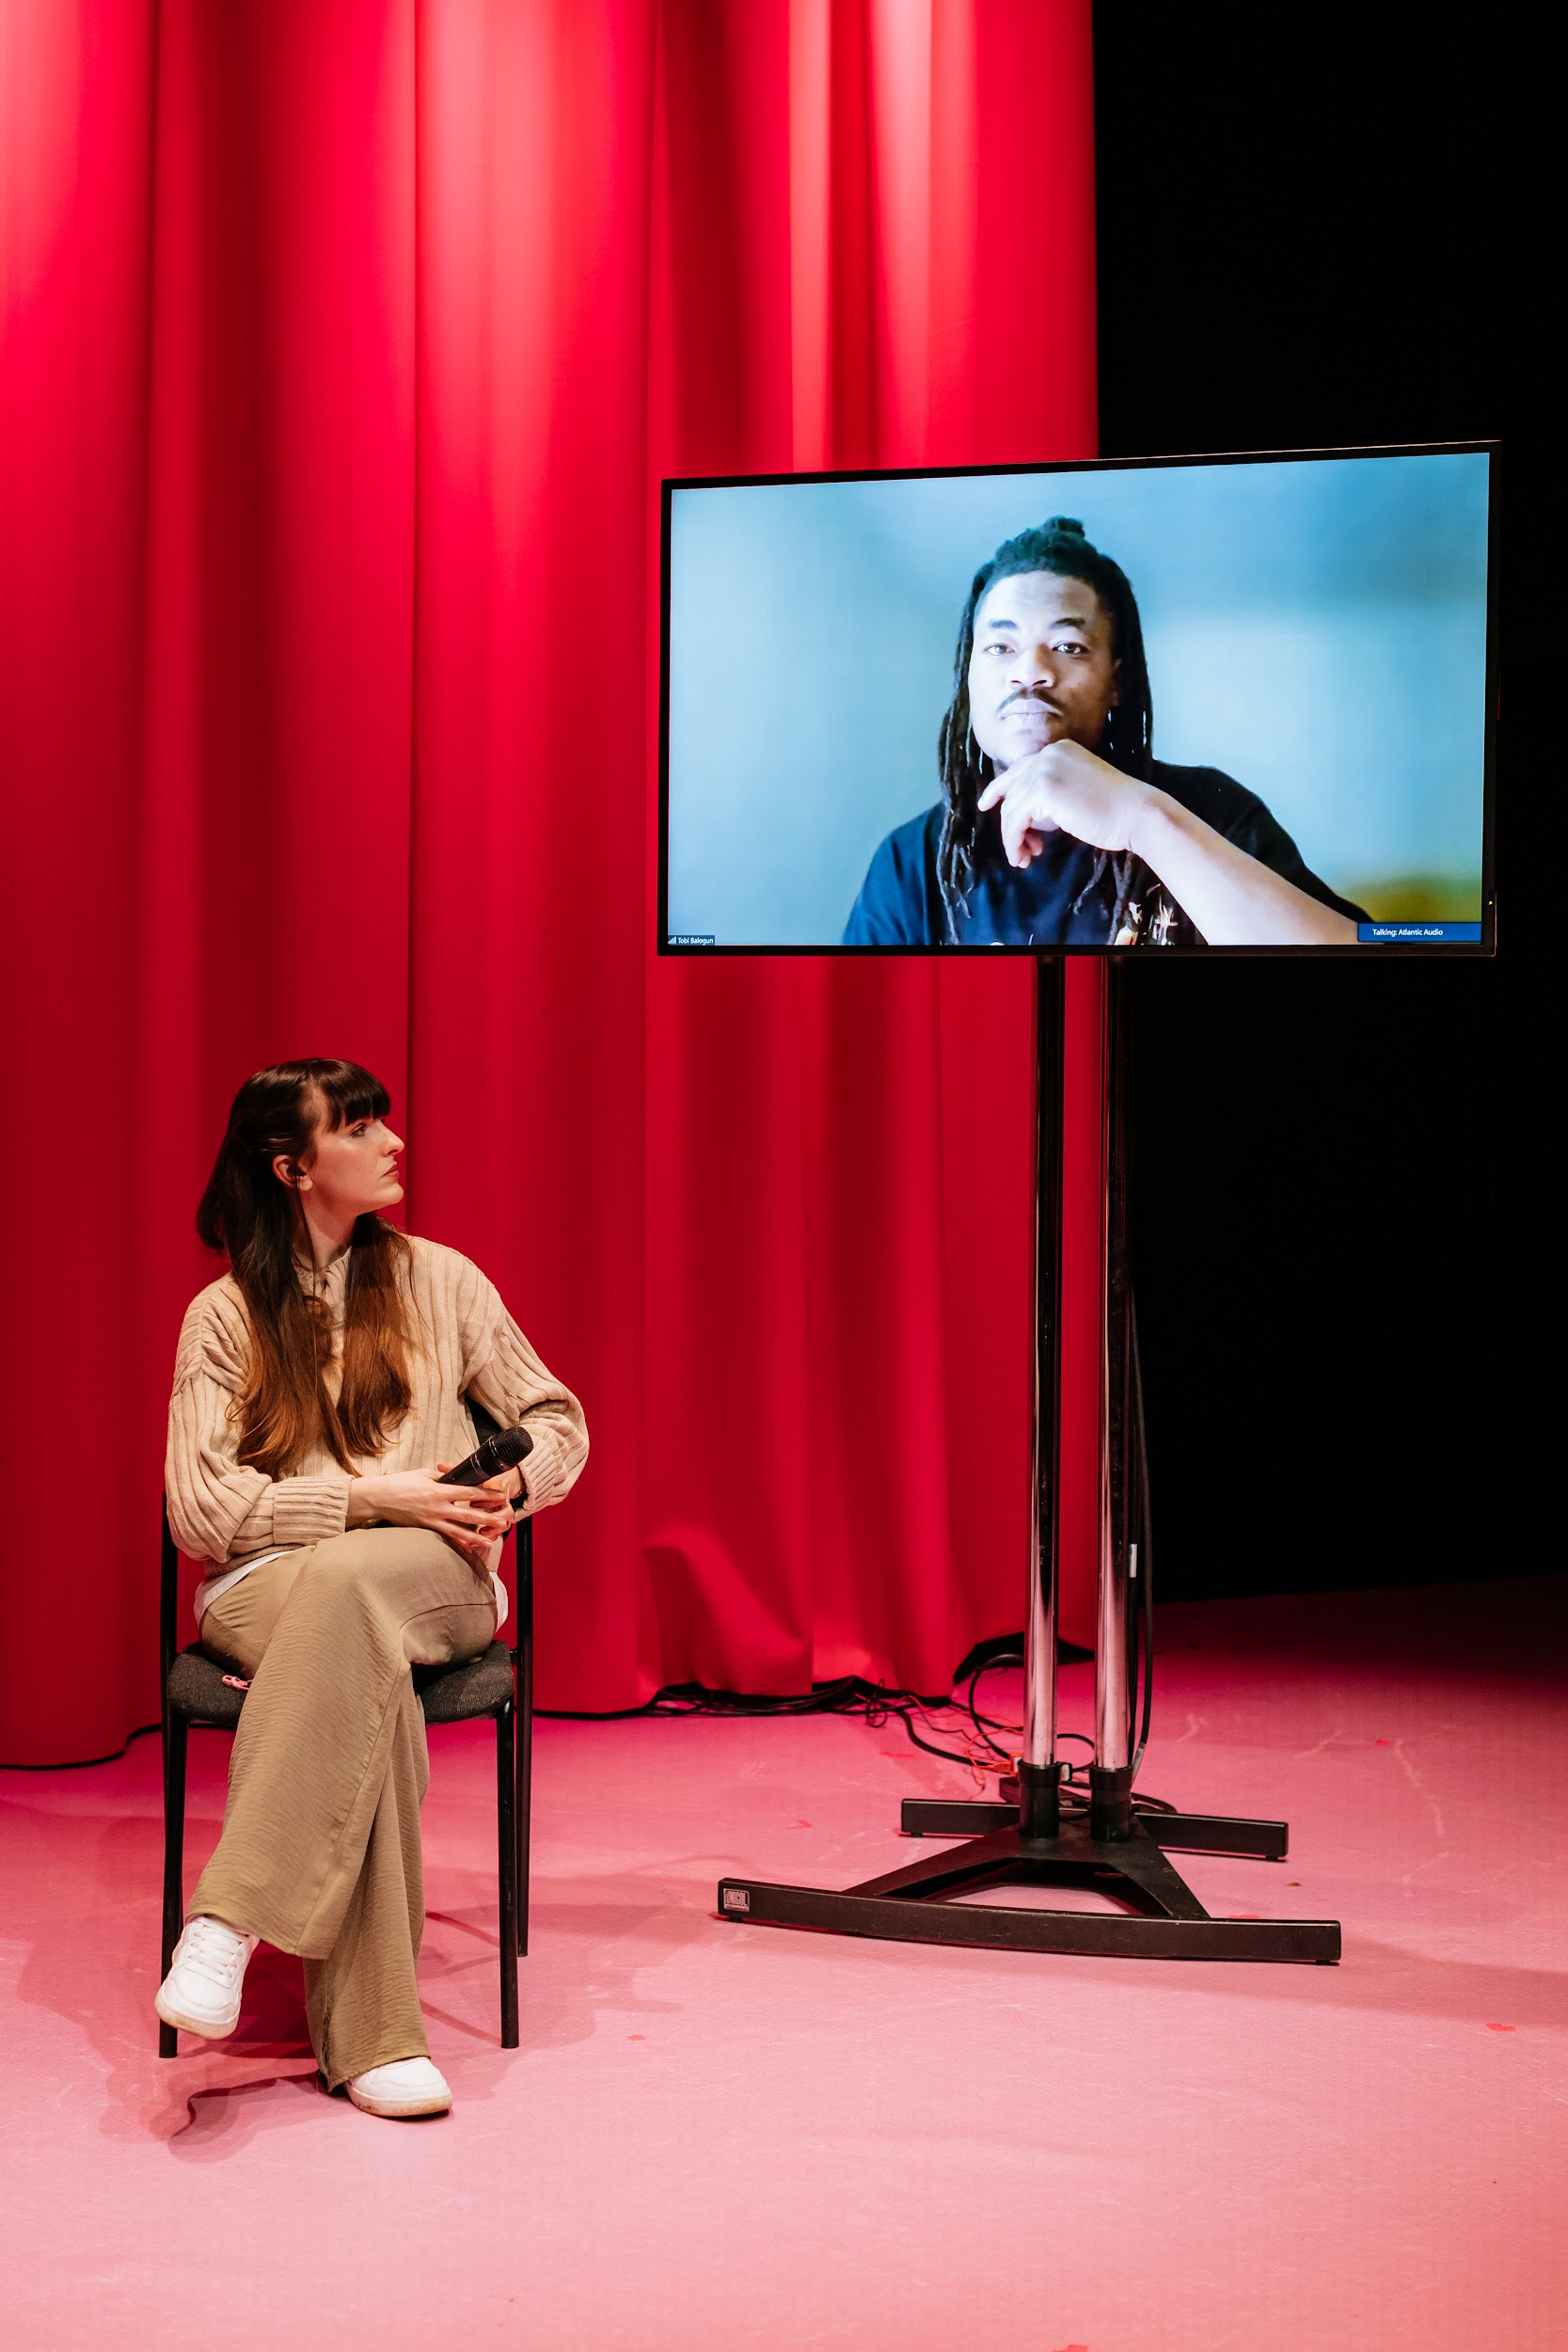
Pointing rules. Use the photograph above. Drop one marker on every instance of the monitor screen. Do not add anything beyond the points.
(1197, 704)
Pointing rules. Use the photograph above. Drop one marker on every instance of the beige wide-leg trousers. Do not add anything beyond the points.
(320, 1850)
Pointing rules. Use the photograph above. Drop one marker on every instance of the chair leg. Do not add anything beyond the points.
(525, 1777)
(174, 1860)
(506, 1870)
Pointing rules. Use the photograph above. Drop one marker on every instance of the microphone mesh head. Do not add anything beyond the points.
(511, 1445)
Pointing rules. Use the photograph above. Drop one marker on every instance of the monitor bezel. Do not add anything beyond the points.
(1486, 945)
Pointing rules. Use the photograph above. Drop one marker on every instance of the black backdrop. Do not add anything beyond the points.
(1301, 245)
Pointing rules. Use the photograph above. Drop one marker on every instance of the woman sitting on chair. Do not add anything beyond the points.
(318, 1392)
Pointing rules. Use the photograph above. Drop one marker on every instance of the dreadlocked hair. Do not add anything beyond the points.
(1059, 546)
(283, 1406)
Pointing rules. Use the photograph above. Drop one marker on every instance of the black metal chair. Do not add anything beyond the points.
(498, 1683)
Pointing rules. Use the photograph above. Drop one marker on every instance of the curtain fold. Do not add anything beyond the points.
(344, 348)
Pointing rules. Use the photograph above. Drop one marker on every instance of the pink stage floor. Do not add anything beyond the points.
(745, 2138)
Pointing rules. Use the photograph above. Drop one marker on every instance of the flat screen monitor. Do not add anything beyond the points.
(1200, 703)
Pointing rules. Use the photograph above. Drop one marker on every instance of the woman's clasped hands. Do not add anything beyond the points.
(472, 1519)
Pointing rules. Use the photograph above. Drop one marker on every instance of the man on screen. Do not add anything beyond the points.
(1057, 826)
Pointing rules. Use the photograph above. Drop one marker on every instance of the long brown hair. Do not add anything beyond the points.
(283, 1407)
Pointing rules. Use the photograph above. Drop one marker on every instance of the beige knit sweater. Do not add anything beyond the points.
(464, 1343)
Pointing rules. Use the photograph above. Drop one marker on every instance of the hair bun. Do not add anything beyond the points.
(1066, 527)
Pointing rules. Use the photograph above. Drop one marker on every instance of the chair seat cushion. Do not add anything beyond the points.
(448, 1694)
(197, 1691)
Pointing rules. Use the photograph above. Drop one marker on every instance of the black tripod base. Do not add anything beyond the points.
(1165, 1921)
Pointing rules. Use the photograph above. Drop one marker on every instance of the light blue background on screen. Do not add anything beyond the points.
(1317, 629)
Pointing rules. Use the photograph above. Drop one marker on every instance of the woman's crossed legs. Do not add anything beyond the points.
(320, 1850)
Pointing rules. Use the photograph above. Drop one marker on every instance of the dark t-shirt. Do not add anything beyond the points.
(900, 902)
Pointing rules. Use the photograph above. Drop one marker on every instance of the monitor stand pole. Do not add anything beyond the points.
(1117, 1853)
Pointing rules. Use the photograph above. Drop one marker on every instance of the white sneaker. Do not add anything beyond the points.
(202, 1991)
(407, 2086)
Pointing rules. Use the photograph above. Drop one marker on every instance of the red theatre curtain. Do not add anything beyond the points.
(344, 347)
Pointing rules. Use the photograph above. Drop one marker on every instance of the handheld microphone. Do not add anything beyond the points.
(502, 1452)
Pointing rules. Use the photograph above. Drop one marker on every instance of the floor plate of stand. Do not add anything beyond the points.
(1191, 1833)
